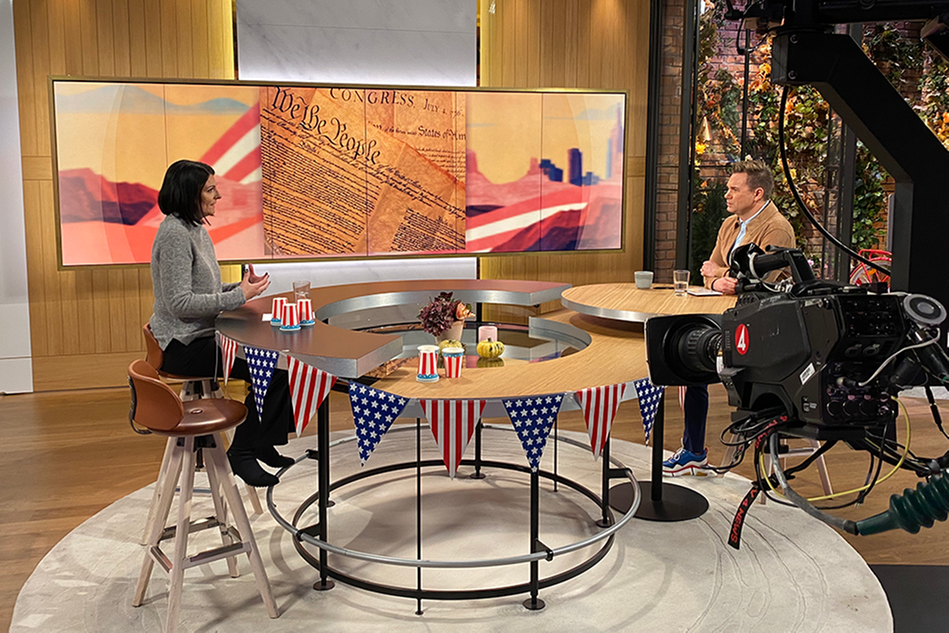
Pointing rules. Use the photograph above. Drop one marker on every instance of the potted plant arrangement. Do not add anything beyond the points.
(444, 317)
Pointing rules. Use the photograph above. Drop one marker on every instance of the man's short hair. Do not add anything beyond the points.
(759, 175)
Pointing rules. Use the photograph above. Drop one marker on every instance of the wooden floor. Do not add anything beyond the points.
(67, 455)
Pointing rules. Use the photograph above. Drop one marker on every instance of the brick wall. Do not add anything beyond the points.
(670, 101)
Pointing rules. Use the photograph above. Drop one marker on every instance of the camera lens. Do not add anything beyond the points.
(697, 348)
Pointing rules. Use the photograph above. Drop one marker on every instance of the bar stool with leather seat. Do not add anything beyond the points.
(192, 425)
(192, 388)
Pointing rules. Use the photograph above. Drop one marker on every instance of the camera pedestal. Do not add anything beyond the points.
(661, 501)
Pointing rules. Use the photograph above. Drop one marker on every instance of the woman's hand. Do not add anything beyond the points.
(252, 284)
(254, 277)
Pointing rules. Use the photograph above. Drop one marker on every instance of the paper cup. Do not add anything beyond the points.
(427, 363)
(276, 312)
(290, 321)
(305, 312)
(454, 359)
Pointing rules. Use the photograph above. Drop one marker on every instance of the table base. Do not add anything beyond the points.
(677, 503)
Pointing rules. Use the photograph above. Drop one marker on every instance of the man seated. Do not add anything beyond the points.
(756, 220)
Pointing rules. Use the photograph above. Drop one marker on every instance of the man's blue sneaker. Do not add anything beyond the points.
(685, 462)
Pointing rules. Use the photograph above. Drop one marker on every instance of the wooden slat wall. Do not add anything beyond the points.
(86, 324)
(593, 44)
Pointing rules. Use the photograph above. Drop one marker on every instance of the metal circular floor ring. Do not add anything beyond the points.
(451, 564)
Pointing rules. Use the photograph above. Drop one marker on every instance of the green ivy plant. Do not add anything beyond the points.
(917, 73)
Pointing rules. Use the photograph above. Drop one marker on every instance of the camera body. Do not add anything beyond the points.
(810, 355)
(829, 357)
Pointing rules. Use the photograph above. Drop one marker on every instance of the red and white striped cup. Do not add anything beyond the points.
(454, 360)
(290, 321)
(427, 363)
(305, 311)
(276, 312)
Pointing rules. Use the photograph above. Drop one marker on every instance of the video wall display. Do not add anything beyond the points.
(311, 172)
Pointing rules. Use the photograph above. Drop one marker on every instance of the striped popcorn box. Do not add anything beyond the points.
(276, 312)
(427, 363)
(454, 360)
(290, 320)
(305, 311)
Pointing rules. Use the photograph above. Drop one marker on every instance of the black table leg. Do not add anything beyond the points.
(661, 501)
(323, 476)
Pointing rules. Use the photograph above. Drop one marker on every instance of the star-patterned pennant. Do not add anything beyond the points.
(599, 405)
(261, 363)
(650, 398)
(228, 354)
(453, 422)
(532, 419)
(374, 411)
(309, 386)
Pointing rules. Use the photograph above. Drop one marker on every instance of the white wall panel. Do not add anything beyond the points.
(16, 373)
(406, 42)
(409, 42)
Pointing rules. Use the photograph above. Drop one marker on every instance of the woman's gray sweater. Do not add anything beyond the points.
(187, 282)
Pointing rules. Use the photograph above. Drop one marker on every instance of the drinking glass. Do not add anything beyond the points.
(680, 281)
(301, 290)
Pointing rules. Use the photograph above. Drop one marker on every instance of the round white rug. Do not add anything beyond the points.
(791, 574)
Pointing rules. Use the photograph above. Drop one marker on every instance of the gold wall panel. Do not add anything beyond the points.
(87, 324)
(591, 44)
(85, 313)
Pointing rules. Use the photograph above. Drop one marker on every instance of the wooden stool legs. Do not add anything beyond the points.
(181, 465)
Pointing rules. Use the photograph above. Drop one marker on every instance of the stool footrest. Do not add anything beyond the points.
(195, 526)
(211, 555)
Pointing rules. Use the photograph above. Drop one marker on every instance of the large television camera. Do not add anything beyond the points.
(813, 358)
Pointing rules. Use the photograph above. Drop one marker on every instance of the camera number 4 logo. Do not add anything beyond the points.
(741, 339)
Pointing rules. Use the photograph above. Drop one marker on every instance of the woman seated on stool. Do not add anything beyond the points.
(188, 297)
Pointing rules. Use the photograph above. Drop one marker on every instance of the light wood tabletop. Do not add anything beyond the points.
(616, 354)
(626, 302)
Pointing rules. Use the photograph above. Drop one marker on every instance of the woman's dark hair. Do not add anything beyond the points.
(180, 193)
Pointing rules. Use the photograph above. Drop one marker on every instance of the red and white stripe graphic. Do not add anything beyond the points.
(599, 406)
(228, 354)
(236, 155)
(309, 386)
(453, 422)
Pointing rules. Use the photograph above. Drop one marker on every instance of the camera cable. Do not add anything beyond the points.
(782, 145)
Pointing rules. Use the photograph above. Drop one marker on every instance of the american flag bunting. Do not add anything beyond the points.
(309, 386)
(453, 422)
(650, 399)
(599, 405)
(374, 411)
(261, 363)
(228, 354)
(532, 419)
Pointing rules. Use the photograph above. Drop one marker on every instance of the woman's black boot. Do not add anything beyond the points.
(246, 466)
(268, 454)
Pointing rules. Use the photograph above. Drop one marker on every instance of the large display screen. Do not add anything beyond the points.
(311, 171)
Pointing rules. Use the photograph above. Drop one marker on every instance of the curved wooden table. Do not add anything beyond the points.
(624, 302)
(609, 353)
(351, 354)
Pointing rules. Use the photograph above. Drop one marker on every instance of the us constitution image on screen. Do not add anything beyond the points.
(310, 171)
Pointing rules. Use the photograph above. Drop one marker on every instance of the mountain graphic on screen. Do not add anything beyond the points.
(86, 196)
(134, 100)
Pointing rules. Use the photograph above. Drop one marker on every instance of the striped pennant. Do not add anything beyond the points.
(309, 386)
(228, 354)
(599, 406)
(452, 422)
